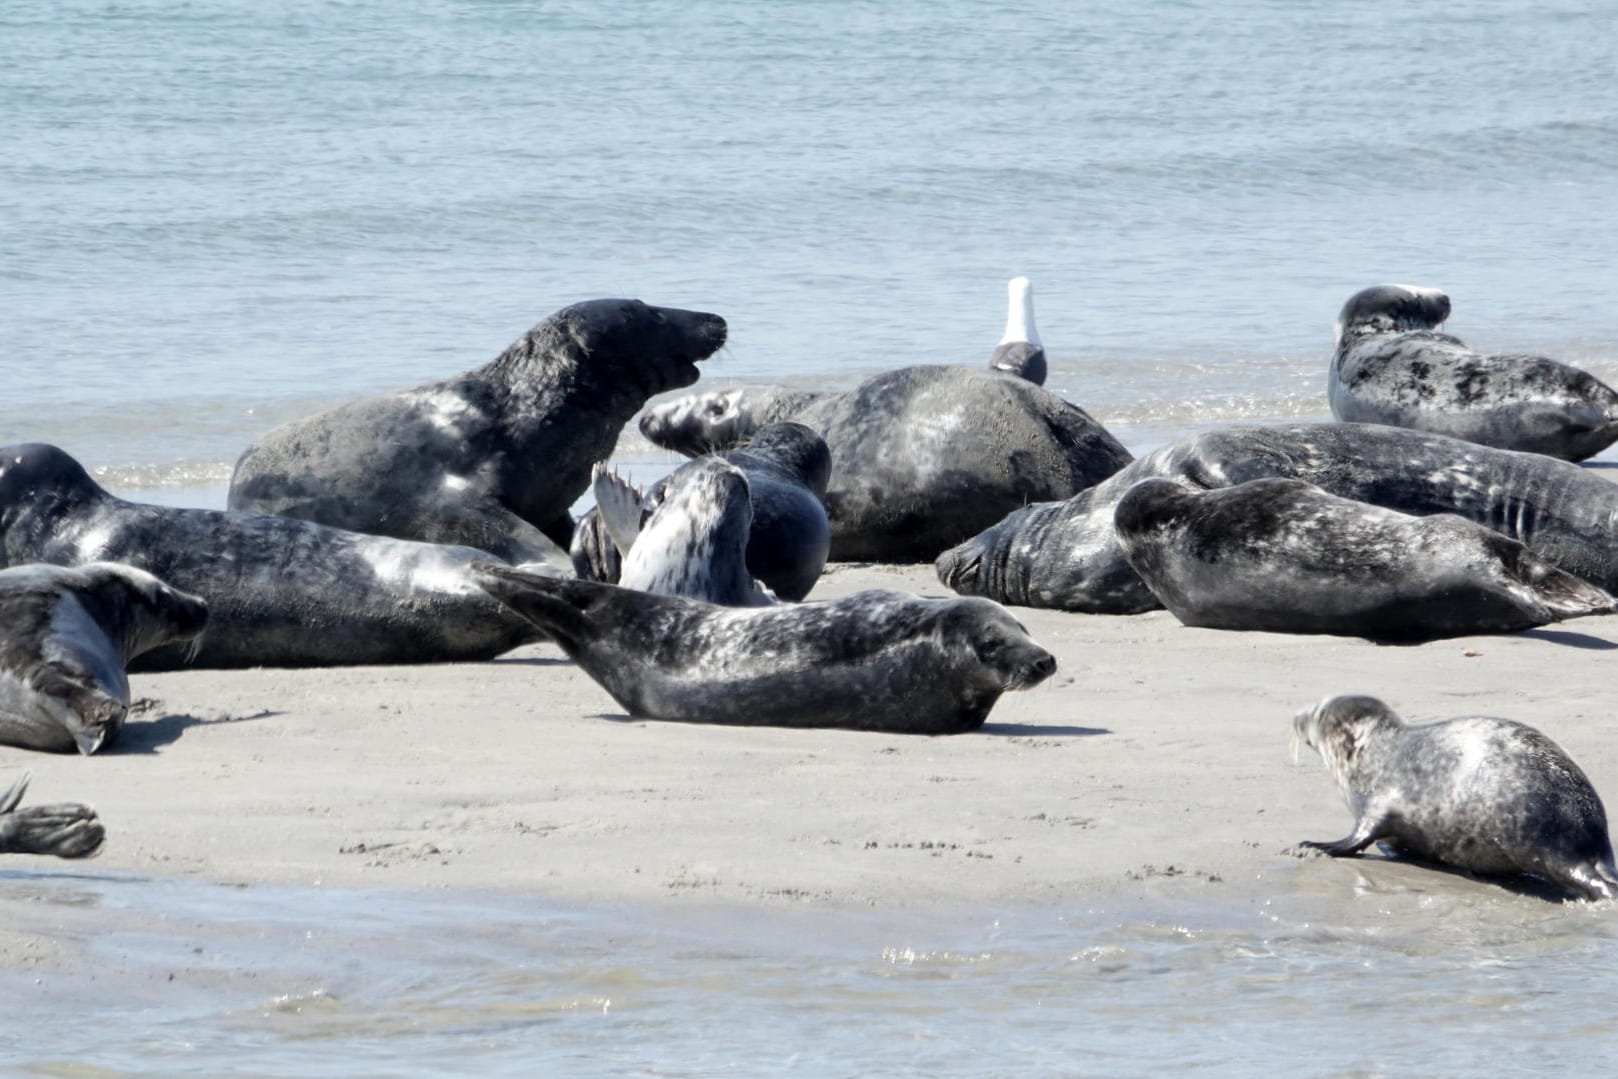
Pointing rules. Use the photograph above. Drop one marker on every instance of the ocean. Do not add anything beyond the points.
(216, 217)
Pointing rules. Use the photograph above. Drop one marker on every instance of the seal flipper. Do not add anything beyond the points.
(621, 505)
(1366, 831)
(100, 714)
(67, 831)
(554, 604)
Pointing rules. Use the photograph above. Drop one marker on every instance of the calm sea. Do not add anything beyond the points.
(218, 216)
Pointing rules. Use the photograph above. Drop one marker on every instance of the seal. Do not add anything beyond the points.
(69, 636)
(494, 457)
(787, 466)
(1390, 365)
(1067, 555)
(1020, 351)
(1490, 796)
(281, 592)
(65, 830)
(692, 540)
(922, 457)
(1283, 555)
(877, 660)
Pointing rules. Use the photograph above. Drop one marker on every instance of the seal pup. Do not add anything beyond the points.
(1390, 365)
(692, 540)
(1067, 554)
(491, 458)
(787, 466)
(66, 830)
(1491, 796)
(922, 457)
(877, 660)
(1285, 556)
(1020, 351)
(66, 638)
(281, 592)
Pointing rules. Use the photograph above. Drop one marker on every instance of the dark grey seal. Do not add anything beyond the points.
(1490, 796)
(787, 467)
(1283, 555)
(878, 660)
(491, 458)
(281, 592)
(1391, 366)
(1067, 555)
(692, 541)
(67, 636)
(65, 830)
(1020, 351)
(922, 457)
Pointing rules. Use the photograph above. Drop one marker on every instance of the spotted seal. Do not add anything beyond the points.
(1491, 796)
(65, 830)
(1067, 555)
(1283, 555)
(67, 638)
(692, 541)
(1020, 351)
(1391, 365)
(494, 457)
(876, 660)
(922, 457)
(787, 466)
(281, 592)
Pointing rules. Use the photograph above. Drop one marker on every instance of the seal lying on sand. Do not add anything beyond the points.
(66, 637)
(787, 466)
(922, 457)
(491, 458)
(1283, 555)
(1391, 366)
(66, 830)
(1067, 555)
(1486, 795)
(692, 541)
(281, 592)
(1020, 351)
(878, 660)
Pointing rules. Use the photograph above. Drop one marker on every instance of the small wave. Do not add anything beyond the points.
(172, 474)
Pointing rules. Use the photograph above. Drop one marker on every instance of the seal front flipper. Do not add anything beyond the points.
(1366, 831)
(96, 716)
(67, 831)
(621, 504)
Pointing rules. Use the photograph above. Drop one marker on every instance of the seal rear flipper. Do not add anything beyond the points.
(621, 506)
(554, 604)
(1563, 594)
(68, 830)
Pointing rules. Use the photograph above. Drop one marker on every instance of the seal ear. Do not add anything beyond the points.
(554, 604)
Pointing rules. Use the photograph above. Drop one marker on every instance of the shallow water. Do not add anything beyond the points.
(1427, 973)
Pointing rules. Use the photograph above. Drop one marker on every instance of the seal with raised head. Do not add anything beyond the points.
(492, 458)
(787, 466)
(1283, 555)
(877, 660)
(67, 635)
(691, 540)
(1020, 351)
(281, 592)
(922, 457)
(1491, 796)
(1391, 365)
(65, 830)
(1067, 555)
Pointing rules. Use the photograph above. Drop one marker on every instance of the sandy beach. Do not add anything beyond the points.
(1156, 753)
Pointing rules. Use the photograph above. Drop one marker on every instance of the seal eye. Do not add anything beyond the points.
(716, 408)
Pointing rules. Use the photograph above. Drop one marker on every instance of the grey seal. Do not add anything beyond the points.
(1067, 555)
(1391, 365)
(1020, 351)
(1491, 796)
(68, 636)
(281, 592)
(877, 660)
(491, 458)
(1283, 555)
(65, 830)
(787, 467)
(922, 457)
(692, 541)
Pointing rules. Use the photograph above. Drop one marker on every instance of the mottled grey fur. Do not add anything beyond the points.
(1391, 366)
(874, 660)
(1491, 796)
(65, 830)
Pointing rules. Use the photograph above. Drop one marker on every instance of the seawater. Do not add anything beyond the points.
(215, 217)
